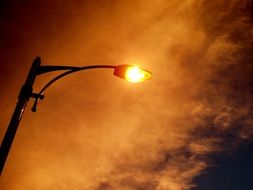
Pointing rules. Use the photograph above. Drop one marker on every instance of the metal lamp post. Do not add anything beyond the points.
(128, 72)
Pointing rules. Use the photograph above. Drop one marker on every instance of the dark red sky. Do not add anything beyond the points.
(94, 131)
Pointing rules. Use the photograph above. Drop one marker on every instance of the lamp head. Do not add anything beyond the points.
(132, 73)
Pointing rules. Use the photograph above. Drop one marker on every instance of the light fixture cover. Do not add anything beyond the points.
(132, 73)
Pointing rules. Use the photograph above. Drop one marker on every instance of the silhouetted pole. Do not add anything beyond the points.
(23, 98)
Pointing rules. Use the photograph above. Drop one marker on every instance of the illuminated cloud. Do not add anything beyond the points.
(156, 135)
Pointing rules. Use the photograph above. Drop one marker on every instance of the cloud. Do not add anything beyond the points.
(209, 55)
(155, 136)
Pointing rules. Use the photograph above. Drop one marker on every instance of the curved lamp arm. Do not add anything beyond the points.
(45, 69)
(128, 72)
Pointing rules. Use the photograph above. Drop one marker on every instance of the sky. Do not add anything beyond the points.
(189, 128)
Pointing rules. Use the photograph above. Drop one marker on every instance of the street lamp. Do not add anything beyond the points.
(128, 72)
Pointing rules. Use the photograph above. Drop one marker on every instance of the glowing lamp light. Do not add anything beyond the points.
(132, 73)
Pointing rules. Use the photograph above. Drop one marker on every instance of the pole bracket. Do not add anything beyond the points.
(37, 96)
